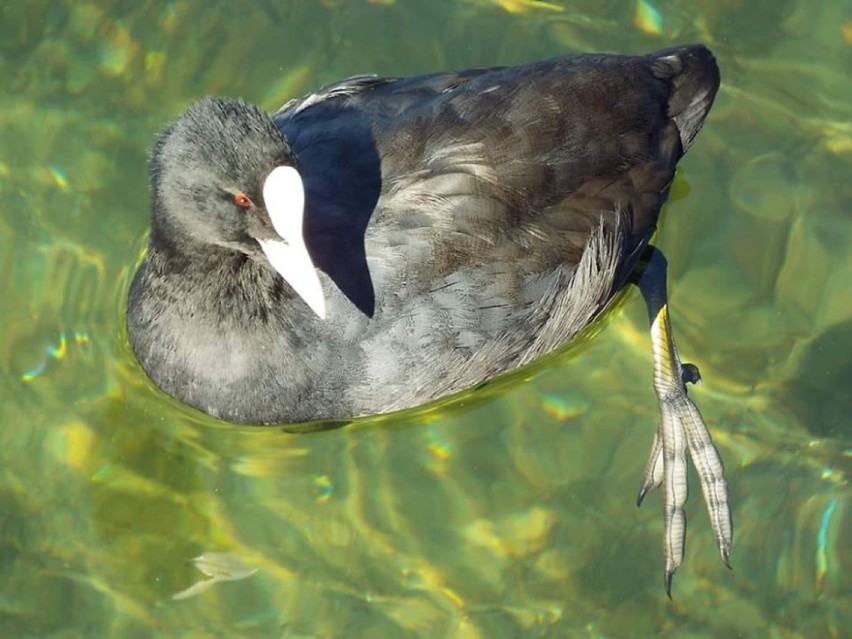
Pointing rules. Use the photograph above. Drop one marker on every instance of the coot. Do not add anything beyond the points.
(385, 242)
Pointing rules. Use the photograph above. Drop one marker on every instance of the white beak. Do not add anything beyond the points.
(284, 196)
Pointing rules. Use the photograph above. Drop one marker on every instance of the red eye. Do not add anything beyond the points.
(242, 200)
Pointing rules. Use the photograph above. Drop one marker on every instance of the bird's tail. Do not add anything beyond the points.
(694, 78)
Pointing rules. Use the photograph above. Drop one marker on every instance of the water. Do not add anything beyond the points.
(509, 516)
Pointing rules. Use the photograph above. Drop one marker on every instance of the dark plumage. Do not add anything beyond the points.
(462, 225)
(450, 213)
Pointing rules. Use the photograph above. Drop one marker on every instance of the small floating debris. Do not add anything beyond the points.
(846, 30)
(822, 554)
(59, 177)
(324, 488)
(439, 452)
(648, 18)
(518, 7)
(565, 406)
(51, 351)
(219, 566)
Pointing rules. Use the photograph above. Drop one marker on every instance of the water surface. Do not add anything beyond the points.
(509, 516)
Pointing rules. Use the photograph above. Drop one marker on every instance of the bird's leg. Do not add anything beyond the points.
(681, 427)
(653, 477)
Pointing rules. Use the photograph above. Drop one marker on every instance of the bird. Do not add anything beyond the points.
(384, 243)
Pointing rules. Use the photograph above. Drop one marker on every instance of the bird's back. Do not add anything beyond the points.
(485, 217)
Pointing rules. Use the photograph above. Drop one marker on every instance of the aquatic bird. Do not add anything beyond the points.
(385, 242)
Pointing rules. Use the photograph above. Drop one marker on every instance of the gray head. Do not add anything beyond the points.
(222, 175)
(216, 150)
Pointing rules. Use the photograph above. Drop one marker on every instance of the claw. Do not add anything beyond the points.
(653, 470)
(681, 428)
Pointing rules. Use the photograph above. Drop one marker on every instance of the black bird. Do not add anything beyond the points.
(383, 243)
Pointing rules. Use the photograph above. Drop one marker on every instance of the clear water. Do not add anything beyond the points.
(511, 516)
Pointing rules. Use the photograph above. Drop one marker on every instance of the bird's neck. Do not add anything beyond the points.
(222, 284)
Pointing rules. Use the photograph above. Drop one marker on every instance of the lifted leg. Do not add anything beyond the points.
(681, 428)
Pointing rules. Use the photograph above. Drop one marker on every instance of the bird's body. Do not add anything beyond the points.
(384, 243)
(450, 214)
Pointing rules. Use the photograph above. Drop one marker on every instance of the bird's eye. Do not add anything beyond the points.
(242, 200)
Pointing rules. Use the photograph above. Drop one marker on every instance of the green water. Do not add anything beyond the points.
(513, 516)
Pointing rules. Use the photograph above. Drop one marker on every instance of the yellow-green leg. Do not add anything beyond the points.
(681, 428)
